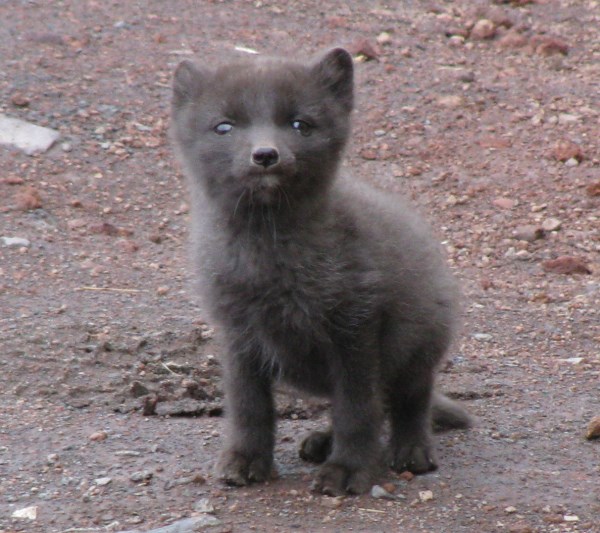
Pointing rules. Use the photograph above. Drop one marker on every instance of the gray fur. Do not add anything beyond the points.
(321, 282)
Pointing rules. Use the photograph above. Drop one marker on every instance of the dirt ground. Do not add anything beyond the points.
(486, 114)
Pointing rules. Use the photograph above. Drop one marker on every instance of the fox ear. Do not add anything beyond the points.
(335, 71)
(187, 83)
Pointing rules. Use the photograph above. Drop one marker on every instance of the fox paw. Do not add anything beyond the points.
(316, 447)
(239, 469)
(416, 458)
(336, 480)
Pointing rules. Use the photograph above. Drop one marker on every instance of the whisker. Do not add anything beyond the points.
(264, 218)
(249, 226)
(287, 198)
(278, 198)
(273, 223)
(238, 202)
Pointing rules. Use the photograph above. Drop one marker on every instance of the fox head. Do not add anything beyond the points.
(263, 131)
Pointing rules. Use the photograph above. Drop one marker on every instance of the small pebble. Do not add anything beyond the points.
(593, 430)
(513, 39)
(572, 360)
(137, 389)
(377, 491)
(406, 476)
(528, 233)
(425, 495)
(384, 38)
(19, 100)
(185, 525)
(204, 506)
(483, 29)
(455, 41)
(332, 502)
(571, 162)
(551, 224)
(504, 203)
(141, 476)
(567, 265)
(15, 241)
(102, 481)
(568, 118)
(128, 453)
(26, 512)
(196, 478)
(98, 436)
(450, 100)
(390, 487)
(565, 150)
(52, 458)
(523, 255)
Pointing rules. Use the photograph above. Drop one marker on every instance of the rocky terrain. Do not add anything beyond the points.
(486, 114)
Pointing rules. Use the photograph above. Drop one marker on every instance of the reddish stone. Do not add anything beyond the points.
(547, 46)
(565, 150)
(566, 265)
(28, 198)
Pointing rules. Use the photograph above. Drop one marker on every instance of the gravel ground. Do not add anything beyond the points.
(485, 114)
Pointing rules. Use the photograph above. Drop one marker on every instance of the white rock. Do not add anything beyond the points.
(186, 525)
(572, 360)
(52, 458)
(384, 38)
(26, 136)
(15, 241)
(27, 512)
(245, 50)
(425, 495)
(451, 100)
(568, 118)
(102, 481)
(522, 255)
(204, 506)
(483, 29)
(551, 224)
(377, 491)
(571, 162)
(456, 40)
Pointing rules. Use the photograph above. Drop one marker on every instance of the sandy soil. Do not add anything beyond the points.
(486, 114)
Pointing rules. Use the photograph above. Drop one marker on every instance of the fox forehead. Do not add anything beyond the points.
(272, 90)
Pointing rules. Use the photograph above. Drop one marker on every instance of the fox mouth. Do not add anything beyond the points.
(267, 190)
(268, 182)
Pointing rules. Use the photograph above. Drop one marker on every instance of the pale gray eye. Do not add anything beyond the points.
(223, 128)
(304, 128)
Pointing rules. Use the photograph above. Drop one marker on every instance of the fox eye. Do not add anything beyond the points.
(223, 128)
(302, 127)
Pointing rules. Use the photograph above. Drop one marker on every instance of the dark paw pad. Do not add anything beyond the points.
(337, 480)
(316, 447)
(417, 459)
(238, 469)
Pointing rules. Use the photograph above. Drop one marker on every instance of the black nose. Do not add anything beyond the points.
(265, 157)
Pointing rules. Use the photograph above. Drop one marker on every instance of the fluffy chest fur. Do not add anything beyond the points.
(298, 297)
